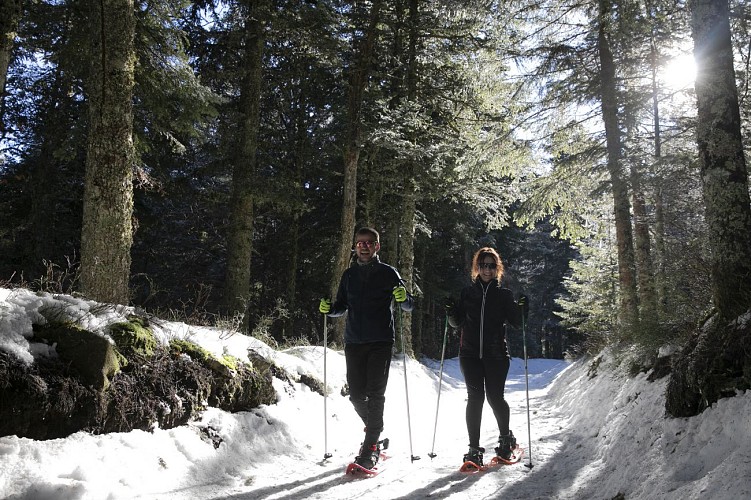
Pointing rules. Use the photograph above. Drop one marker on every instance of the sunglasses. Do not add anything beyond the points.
(363, 244)
(487, 265)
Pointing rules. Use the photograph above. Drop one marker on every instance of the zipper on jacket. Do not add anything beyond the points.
(482, 316)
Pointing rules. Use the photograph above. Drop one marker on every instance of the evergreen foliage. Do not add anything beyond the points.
(481, 124)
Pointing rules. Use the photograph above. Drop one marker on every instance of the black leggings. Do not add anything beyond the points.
(367, 375)
(485, 377)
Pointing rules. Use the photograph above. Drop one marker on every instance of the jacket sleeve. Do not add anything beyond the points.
(515, 311)
(455, 312)
(340, 305)
(408, 304)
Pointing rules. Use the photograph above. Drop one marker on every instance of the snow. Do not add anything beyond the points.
(596, 433)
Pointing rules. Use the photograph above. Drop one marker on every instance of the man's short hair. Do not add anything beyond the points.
(370, 231)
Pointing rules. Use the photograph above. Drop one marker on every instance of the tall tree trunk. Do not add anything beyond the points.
(45, 186)
(293, 245)
(645, 279)
(42, 213)
(716, 363)
(723, 167)
(628, 314)
(409, 195)
(358, 80)
(10, 14)
(647, 297)
(240, 237)
(107, 234)
(659, 228)
(407, 255)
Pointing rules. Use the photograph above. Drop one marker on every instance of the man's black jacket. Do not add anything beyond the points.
(365, 294)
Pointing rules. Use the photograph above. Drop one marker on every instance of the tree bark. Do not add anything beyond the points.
(716, 363)
(240, 235)
(723, 167)
(409, 195)
(628, 314)
(107, 234)
(10, 15)
(647, 297)
(301, 154)
(659, 227)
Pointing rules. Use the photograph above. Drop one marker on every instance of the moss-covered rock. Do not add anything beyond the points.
(161, 390)
(237, 386)
(54, 397)
(91, 355)
(247, 388)
(134, 337)
(197, 353)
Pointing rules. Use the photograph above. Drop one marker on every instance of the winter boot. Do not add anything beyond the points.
(506, 445)
(368, 456)
(474, 455)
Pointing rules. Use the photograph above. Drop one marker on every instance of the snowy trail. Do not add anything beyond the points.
(308, 476)
(598, 431)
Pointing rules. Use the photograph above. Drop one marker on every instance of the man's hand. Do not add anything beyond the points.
(400, 294)
(325, 306)
(449, 307)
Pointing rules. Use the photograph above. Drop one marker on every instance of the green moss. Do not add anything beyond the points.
(230, 362)
(225, 366)
(122, 360)
(195, 351)
(134, 336)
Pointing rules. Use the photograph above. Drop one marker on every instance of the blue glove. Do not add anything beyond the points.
(400, 294)
(325, 306)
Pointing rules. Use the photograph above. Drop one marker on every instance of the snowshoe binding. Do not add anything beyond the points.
(367, 459)
(508, 451)
(473, 460)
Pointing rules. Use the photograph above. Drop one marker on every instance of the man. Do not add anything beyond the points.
(366, 293)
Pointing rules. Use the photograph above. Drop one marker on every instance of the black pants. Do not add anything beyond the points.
(485, 377)
(367, 375)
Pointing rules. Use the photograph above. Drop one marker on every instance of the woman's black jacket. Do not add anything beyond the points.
(481, 314)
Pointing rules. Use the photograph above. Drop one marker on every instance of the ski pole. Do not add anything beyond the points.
(440, 384)
(406, 387)
(326, 453)
(526, 378)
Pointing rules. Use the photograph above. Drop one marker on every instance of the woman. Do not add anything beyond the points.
(481, 313)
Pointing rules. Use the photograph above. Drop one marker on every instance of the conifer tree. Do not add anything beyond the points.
(107, 233)
(711, 366)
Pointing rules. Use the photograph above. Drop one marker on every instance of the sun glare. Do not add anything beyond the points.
(680, 72)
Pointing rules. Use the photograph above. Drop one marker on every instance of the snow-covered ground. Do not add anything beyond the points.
(602, 436)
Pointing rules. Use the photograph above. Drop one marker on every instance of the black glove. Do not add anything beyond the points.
(449, 307)
(524, 304)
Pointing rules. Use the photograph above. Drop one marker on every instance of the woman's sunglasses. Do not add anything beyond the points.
(487, 265)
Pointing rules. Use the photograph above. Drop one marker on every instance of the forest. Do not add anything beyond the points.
(210, 162)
